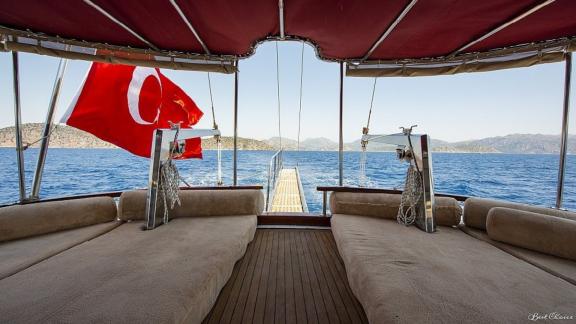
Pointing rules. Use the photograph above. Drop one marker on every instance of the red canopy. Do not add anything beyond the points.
(349, 30)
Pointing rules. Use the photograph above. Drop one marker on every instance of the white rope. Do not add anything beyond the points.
(219, 158)
(218, 138)
(363, 158)
(301, 79)
(371, 103)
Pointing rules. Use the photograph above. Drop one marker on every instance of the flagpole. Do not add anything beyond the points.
(18, 127)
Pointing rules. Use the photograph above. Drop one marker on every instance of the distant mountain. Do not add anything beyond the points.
(522, 143)
(69, 137)
(64, 136)
(515, 143)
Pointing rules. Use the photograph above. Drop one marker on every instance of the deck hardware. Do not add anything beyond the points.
(389, 30)
(189, 25)
(341, 130)
(564, 138)
(419, 147)
(48, 127)
(18, 127)
(162, 141)
(503, 26)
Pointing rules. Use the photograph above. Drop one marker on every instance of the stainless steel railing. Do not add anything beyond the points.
(274, 168)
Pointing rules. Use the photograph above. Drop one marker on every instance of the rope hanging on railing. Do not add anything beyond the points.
(363, 181)
(411, 197)
(218, 138)
(170, 178)
(412, 194)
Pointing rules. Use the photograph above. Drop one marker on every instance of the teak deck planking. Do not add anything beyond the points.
(288, 276)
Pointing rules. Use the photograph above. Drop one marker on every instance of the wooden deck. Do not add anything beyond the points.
(287, 196)
(288, 276)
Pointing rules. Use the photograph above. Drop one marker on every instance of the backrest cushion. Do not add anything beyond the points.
(20, 221)
(447, 211)
(533, 231)
(476, 210)
(197, 203)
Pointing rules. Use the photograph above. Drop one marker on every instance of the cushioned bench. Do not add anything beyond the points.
(32, 233)
(476, 211)
(402, 274)
(173, 273)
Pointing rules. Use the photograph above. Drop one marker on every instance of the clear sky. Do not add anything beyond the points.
(452, 108)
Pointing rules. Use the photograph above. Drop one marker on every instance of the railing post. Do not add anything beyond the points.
(235, 156)
(35, 194)
(341, 135)
(324, 202)
(18, 127)
(564, 136)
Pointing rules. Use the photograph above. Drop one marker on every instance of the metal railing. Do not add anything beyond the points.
(274, 168)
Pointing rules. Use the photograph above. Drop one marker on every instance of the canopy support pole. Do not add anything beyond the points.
(189, 25)
(390, 28)
(281, 18)
(564, 137)
(119, 23)
(235, 156)
(48, 130)
(504, 25)
(18, 127)
(341, 130)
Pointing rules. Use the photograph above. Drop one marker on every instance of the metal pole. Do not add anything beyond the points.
(341, 135)
(235, 157)
(18, 127)
(564, 137)
(47, 130)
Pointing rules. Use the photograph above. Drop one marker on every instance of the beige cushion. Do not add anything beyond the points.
(21, 221)
(403, 275)
(172, 274)
(197, 203)
(476, 210)
(559, 267)
(17, 255)
(538, 232)
(447, 210)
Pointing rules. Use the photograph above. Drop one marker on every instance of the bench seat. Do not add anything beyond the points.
(32, 233)
(171, 274)
(404, 275)
(20, 254)
(476, 212)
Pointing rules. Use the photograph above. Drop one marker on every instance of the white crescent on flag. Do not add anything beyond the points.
(139, 75)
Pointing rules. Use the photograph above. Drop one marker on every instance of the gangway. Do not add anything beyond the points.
(284, 190)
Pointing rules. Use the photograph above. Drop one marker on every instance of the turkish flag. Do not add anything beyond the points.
(123, 105)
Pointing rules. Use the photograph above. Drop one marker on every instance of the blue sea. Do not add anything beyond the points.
(522, 178)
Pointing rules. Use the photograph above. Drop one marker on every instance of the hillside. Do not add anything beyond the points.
(68, 137)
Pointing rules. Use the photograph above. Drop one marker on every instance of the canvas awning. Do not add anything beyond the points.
(385, 38)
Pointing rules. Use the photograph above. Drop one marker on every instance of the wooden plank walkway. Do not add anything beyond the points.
(287, 194)
(288, 276)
